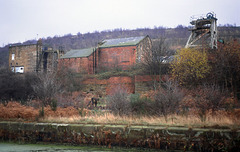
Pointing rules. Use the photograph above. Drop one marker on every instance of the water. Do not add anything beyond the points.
(14, 147)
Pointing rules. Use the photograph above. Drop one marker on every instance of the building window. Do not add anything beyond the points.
(19, 69)
(13, 56)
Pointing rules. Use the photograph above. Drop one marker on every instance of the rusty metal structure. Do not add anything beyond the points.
(204, 31)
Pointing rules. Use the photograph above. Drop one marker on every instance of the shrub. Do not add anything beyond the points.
(41, 112)
(118, 101)
(53, 104)
(190, 66)
(46, 87)
(208, 97)
(167, 99)
(14, 86)
(140, 105)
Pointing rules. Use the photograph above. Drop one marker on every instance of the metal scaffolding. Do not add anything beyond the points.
(204, 31)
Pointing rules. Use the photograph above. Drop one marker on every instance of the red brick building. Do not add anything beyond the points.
(122, 52)
(80, 60)
(111, 53)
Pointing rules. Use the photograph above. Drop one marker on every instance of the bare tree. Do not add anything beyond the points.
(46, 87)
(153, 60)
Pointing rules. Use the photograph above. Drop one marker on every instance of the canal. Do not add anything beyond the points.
(15, 147)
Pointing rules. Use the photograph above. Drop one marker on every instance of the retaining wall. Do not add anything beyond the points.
(158, 137)
(139, 84)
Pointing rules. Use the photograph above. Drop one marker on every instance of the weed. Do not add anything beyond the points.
(41, 112)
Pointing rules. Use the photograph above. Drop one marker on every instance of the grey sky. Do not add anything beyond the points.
(22, 20)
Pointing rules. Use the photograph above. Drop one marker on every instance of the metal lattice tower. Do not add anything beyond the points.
(204, 31)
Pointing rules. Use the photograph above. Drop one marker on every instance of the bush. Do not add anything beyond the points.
(208, 97)
(41, 112)
(14, 86)
(167, 99)
(140, 105)
(53, 104)
(190, 66)
(46, 87)
(118, 102)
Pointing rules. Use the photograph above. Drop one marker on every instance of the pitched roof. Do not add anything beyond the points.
(78, 53)
(130, 41)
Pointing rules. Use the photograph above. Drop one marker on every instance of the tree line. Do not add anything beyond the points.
(175, 37)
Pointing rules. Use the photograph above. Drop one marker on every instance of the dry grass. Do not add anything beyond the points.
(16, 111)
(174, 120)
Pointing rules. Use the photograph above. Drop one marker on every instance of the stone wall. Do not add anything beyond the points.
(156, 137)
(26, 56)
(144, 46)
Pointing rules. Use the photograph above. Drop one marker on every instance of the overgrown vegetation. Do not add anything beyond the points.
(15, 87)
(202, 84)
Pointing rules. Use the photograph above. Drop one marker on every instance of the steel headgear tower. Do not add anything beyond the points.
(204, 31)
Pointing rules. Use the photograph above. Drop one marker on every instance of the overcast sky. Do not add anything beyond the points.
(22, 20)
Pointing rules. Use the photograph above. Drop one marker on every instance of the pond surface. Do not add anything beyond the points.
(14, 147)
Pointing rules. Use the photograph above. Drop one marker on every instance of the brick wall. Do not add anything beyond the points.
(125, 83)
(79, 65)
(121, 57)
(95, 81)
(137, 84)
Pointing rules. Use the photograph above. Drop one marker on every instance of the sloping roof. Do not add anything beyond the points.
(130, 41)
(78, 53)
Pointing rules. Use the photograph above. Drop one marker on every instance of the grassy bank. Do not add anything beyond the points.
(173, 120)
(14, 111)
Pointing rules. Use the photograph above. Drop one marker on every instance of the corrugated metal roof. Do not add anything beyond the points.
(130, 41)
(78, 53)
